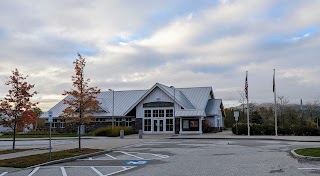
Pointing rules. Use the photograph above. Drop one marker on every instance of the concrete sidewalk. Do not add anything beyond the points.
(228, 135)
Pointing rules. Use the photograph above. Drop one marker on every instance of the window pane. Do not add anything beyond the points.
(169, 113)
(161, 113)
(147, 124)
(155, 113)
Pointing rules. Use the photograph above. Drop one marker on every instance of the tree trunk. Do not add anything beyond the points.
(79, 131)
(14, 136)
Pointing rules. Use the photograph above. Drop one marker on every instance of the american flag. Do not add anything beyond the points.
(246, 85)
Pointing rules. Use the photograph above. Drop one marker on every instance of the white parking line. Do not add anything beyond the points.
(3, 173)
(64, 173)
(98, 172)
(94, 168)
(34, 171)
(124, 169)
(161, 156)
(130, 155)
(111, 156)
(158, 155)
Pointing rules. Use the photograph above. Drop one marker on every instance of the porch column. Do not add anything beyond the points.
(200, 125)
(180, 125)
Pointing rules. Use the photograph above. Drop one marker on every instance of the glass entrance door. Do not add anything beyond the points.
(158, 125)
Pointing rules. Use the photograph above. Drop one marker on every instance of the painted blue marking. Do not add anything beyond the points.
(135, 162)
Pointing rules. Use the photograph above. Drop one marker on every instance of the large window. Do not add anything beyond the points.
(118, 121)
(169, 113)
(128, 122)
(161, 113)
(54, 123)
(169, 124)
(190, 124)
(155, 113)
(147, 124)
(62, 123)
(147, 113)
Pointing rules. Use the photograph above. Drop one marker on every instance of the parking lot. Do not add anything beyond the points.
(189, 157)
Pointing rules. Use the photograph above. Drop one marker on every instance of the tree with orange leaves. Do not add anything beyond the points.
(81, 101)
(16, 107)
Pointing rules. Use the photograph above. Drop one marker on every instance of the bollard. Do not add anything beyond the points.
(121, 134)
(140, 134)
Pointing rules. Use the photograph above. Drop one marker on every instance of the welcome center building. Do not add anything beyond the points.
(158, 110)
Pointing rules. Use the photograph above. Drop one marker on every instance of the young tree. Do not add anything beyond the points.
(38, 113)
(16, 107)
(282, 105)
(82, 100)
(313, 109)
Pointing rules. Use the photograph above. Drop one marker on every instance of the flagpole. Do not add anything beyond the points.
(247, 96)
(275, 103)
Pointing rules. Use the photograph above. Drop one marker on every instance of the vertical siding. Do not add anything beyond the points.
(152, 97)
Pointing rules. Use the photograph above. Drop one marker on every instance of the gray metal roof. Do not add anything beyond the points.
(213, 107)
(198, 96)
(194, 101)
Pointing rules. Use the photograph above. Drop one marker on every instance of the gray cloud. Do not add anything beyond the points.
(133, 45)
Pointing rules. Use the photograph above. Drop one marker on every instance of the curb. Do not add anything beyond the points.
(43, 139)
(294, 154)
(70, 159)
(290, 140)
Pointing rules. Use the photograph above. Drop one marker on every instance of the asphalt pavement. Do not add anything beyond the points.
(207, 154)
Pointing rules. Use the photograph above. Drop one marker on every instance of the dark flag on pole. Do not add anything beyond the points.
(246, 85)
(274, 82)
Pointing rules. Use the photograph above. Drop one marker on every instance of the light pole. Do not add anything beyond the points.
(112, 108)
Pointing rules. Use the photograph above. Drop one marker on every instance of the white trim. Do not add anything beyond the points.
(148, 92)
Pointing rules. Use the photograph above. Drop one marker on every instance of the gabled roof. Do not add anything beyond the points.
(213, 107)
(194, 100)
(179, 97)
(198, 96)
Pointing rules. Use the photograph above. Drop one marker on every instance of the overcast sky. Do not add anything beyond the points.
(184, 43)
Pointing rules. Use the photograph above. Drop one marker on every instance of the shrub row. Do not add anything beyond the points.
(268, 129)
(107, 131)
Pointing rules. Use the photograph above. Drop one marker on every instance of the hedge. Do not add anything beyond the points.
(268, 129)
(107, 131)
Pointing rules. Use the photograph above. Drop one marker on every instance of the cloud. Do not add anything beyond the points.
(133, 45)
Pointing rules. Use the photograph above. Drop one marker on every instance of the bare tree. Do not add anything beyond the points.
(282, 103)
(312, 108)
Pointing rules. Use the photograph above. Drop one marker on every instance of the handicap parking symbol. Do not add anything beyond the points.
(135, 162)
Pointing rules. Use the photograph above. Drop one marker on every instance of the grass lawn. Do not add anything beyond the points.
(27, 161)
(11, 151)
(314, 152)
